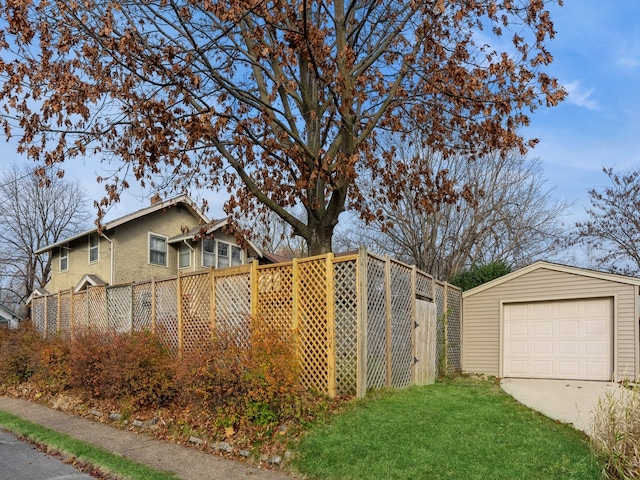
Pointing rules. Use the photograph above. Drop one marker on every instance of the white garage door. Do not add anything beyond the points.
(562, 339)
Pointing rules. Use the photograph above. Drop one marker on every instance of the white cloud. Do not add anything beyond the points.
(580, 96)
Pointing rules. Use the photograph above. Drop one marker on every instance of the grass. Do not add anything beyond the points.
(81, 450)
(460, 429)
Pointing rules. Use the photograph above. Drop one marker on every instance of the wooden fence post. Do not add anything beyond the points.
(179, 314)
(153, 306)
(387, 301)
(414, 323)
(445, 328)
(212, 301)
(361, 326)
(58, 314)
(331, 328)
(253, 280)
(72, 322)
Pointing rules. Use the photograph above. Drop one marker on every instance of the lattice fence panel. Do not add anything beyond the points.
(37, 313)
(119, 308)
(97, 298)
(346, 327)
(424, 285)
(65, 314)
(401, 325)
(167, 313)
(376, 324)
(312, 323)
(80, 309)
(440, 333)
(52, 316)
(233, 304)
(142, 301)
(275, 296)
(454, 301)
(196, 308)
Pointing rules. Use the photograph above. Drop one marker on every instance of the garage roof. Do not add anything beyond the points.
(556, 267)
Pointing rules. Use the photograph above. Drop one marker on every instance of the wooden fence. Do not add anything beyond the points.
(354, 316)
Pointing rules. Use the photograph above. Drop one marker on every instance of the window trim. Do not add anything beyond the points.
(64, 257)
(165, 239)
(97, 248)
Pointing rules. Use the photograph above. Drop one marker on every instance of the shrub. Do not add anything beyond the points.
(615, 433)
(133, 366)
(242, 380)
(52, 364)
(18, 360)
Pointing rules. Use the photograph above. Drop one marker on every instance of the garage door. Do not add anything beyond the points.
(561, 339)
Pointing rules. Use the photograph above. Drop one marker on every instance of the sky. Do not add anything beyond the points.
(596, 57)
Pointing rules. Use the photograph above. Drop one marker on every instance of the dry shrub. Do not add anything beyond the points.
(52, 364)
(18, 357)
(133, 366)
(241, 380)
(616, 433)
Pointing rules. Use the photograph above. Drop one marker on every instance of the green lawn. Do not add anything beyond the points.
(81, 450)
(461, 429)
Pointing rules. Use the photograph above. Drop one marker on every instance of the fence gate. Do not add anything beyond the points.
(425, 343)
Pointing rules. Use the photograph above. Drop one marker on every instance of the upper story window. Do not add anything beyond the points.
(220, 254)
(94, 248)
(157, 249)
(64, 259)
(184, 256)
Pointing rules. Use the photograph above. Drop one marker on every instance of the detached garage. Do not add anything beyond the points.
(553, 321)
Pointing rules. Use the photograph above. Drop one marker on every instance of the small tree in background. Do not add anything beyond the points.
(612, 231)
(479, 274)
(32, 216)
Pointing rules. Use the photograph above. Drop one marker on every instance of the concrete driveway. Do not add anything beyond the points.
(569, 401)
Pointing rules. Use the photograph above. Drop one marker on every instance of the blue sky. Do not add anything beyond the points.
(597, 59)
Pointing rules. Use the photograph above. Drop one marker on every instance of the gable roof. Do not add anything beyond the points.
(180, 200)
(6, 314)
(209, 229)
(612, 277)
(88, 280)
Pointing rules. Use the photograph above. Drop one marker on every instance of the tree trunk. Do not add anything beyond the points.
(319, 240)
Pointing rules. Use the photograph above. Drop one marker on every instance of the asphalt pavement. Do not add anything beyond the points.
(22, 461)
(185, 462)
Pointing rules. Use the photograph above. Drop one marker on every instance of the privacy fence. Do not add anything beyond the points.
(354, 316)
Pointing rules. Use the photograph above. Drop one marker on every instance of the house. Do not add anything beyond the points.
(8, 317)
(155, 242)
(553, 321)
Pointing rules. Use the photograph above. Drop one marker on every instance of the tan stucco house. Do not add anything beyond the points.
(553, 321)
(155, 242)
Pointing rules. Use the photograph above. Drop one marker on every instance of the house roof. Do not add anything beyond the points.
(554, 267)
(37, 292)
(208, 229)
(6, 314)
(88, 280)
(182, 199)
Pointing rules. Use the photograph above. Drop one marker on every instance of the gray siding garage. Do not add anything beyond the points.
(553, 321)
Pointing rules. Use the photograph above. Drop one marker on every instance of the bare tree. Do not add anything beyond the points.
(279, 102)
(32, 216)
(612, 231)
(511, 217)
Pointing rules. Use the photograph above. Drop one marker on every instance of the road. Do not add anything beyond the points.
(22, 461)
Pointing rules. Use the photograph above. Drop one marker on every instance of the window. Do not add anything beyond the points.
(184, 256)
(220, 254)
(208, 253)
(94, 245)
(157, 250)
(64, 259)
(223, 255)
(236, 256)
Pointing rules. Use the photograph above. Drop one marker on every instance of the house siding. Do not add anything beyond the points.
(482, 315)
(130, 244)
